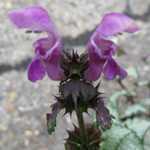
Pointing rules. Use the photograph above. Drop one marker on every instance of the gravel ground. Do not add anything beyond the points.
(23, 104)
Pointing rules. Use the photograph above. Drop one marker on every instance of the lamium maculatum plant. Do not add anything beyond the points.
(76, 72)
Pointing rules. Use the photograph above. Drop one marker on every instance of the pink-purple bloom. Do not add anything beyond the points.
(48, 49)
(101, 49)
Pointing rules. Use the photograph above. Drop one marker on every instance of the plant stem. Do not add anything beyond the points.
(82, 128)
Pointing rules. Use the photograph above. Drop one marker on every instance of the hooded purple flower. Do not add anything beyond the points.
(101, 49)
(48, 49)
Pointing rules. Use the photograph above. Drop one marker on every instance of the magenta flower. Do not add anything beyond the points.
(101, 49)
(47, 50)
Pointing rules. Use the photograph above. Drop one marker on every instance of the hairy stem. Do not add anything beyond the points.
(82, 128)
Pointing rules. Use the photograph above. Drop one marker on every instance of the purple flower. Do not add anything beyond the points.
(101, 49)
(48, 49)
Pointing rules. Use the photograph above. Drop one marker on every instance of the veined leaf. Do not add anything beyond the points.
(139, 126)
(134, 109)
(146, 140)
(113, 137)
(132, 71)
(112, 105)
(130, 142)
(121, 138)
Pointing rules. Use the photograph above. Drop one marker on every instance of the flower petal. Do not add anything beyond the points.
(107, 47)
(122, 73)
(53, 59)
(43, 45)
(103, 47)
(34, 18)
(115, 23)
(94, 71)
(112, 69)
(36, 70)
(54, 71)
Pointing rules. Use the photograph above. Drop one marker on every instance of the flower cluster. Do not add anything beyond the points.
(48, 50)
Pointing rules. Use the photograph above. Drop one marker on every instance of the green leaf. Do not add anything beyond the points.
(130, 142)
(142, 107)
(132, 71)
(134, 109)
(51, 126)
(112, 137)
(121, 138)
(146, 140)
(139, 126)
(112, 105)
(146, 103)
(145, 83)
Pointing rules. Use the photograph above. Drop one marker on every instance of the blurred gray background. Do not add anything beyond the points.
(23, 104)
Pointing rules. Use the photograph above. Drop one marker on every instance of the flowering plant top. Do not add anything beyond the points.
(76, 72)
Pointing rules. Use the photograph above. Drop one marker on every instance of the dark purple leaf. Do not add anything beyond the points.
(103, 115)
(51, 117)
